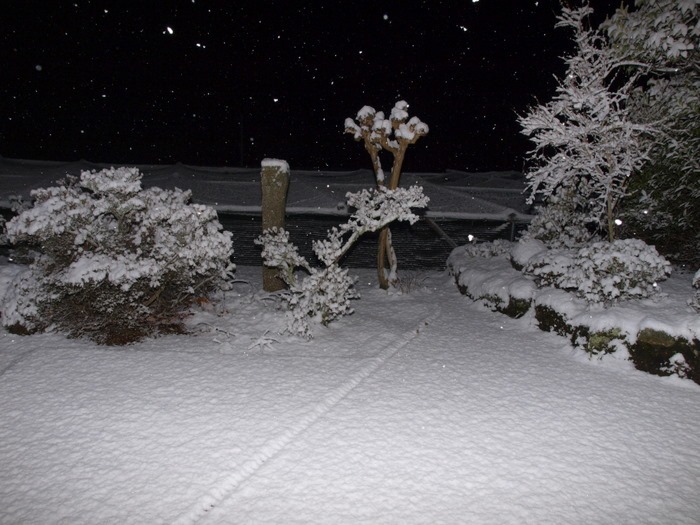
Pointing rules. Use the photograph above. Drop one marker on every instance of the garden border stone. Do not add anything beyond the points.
(650, 350)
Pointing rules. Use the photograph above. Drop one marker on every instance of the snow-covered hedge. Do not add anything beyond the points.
(602, 272)
(114, 262)
(659, 336)
(17, 205)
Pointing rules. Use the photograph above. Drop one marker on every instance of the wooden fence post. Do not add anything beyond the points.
(275, 183)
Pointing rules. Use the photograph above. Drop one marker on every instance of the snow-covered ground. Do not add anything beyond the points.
(420, 408)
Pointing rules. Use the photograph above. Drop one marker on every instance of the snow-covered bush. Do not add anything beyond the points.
(325, 294)
(488, 249)
(410, 282)
(115, 262)
(524, 250)
(677, 365)
(602, 272)
(321, 297)
(17, 205)
(560, 225)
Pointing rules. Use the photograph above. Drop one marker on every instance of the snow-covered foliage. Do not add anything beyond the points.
(586, 145)
(677, 365)
(115, 262)
(694, 301)
(325, 293)
(524, 250)
(664, 35)
(321, 297)
(559, 225)
(17, 205)
(393, 134)
(493, 248)
(657, 31)
(602, 272)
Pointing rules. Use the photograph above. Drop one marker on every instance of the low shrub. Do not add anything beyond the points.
(602, 272)
(114, 262)
(493, 248)
(560, 225)
(524, 250)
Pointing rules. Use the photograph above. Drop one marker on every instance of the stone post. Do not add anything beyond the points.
(275, 183)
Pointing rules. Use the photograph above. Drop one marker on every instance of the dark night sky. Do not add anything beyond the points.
(237, 81)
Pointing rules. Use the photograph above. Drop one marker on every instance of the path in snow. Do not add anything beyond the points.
(484, 420)
(385, 346)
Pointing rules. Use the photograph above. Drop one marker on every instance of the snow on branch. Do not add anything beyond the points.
(393, 134)
(374, 209)
(587, 146)
(325, 293)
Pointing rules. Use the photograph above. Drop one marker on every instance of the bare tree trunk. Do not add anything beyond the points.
(611, 219)
(382, 256)
(398, 164)
(391, 258)
(275, 183)
(385, 252)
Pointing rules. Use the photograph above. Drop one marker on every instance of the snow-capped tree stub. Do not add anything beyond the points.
(274, 180)
(393, 134)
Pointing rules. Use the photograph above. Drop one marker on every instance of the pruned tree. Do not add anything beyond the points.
(393, 134)
(325, 293)
(587, 146)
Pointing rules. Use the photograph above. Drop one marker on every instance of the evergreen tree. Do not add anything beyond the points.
(665, 36)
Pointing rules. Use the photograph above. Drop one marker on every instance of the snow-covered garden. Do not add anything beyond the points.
(554, 379)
